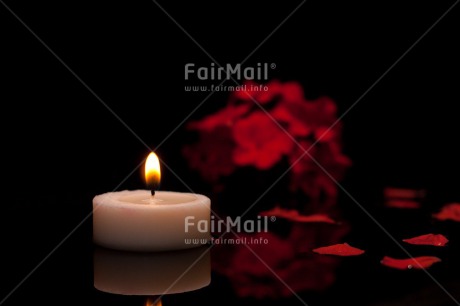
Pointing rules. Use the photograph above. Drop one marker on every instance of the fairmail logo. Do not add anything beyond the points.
(228, 72)
(228, 225)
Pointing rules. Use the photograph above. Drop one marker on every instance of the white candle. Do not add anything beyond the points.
(131, 273)
(137, 221)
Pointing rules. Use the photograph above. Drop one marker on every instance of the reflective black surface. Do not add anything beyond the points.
(70, 270)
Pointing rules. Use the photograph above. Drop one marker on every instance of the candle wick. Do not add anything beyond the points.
(152, 197)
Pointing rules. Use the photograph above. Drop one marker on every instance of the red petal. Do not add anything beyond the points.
(429, 239)
(293, 215)
(421, 262)
(314, 218)
(409, 204)
(449, 212)
(343, 249)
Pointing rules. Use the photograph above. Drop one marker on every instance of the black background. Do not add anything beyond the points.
(61, 145)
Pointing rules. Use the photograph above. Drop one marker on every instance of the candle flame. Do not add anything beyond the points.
(153, 302)
(152, 171)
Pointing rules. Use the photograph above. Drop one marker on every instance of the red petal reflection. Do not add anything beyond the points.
(429, 239)
(421, 262)
(343, 249)
(293, 215)
(449, 212)
(403, 193)
(409, 204)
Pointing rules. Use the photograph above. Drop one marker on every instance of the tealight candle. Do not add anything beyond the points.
(149, 220)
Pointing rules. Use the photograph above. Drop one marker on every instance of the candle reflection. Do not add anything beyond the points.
(153, 302)
(130, 273)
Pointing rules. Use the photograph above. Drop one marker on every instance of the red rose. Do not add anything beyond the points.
(259, 141)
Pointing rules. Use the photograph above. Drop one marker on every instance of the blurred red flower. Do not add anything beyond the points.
(259, 141)
(245, 136)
